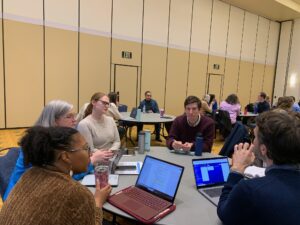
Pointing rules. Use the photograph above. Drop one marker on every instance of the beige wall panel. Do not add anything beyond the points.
(230, 78)
(180, 24)
(24, 73)
(216, 60)
(269, 80)
(249, 37)
(121, 45)
(59, 12)
(94, 68)
(154, 70)
(219, 27)
(262, 40)
(201, 25)
(283, 53)
(235, 31)
(96, 15)
(61, 65)
(215, 85)
(127, 19)
(176, 81)
(273, 43)
(156, 16)
(257, 81)
(244, 84)
(29, 8)
(197, 74)
(2, 107)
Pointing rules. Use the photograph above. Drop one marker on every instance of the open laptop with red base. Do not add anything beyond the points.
(153, 195)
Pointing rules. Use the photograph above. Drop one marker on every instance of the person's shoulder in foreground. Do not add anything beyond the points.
(275, 198)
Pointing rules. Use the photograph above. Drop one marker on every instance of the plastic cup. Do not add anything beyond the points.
(161, 112)
(101, 174)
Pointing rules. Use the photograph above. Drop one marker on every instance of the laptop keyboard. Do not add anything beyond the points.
(213, 192)
(147, 199)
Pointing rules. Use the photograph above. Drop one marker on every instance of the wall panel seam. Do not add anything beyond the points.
(241, 50)
(252, 72)
(142, 47)
(189, 57)
(3, 60)
(167, 58)
(208, 56)
(266, 55)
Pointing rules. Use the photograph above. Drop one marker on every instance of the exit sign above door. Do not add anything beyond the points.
(126, 55)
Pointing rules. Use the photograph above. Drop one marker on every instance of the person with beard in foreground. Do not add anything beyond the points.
(275, 198)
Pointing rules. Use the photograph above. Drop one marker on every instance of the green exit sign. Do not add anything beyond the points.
(126, 55)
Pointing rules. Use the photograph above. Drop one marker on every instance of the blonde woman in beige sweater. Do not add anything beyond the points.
(99, 130)
(46, 193)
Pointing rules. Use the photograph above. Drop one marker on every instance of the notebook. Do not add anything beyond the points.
(133, 113)
(210, 176)
(153, 195)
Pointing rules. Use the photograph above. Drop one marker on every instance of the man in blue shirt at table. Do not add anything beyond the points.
(275, 198)
(149, 105)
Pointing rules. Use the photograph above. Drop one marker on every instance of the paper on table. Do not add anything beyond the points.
(129, 168)
(254, 171)
(89, 180)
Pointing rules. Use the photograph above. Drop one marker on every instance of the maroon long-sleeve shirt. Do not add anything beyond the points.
(182, 131)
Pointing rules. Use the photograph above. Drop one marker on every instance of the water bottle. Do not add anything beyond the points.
(199, 145)
(147, 140)
(144, 109)
(138, 115)
(141, 143)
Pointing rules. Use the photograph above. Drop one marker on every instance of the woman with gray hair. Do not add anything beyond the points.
(56, 113)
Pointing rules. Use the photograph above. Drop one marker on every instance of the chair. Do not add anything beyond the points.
(223, 121)
(122, 108)
(7, 165)
(238, 134)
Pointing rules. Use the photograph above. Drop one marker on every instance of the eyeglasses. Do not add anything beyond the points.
(70, 116)
(85, 148)
(104, 102)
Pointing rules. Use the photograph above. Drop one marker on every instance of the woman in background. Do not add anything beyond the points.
(56, 113)
(47, 194)
(232, 106)
(213, 104)
(99, 130)
(113, 110)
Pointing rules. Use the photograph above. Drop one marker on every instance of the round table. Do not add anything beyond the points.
(191, 207)
(146, 118)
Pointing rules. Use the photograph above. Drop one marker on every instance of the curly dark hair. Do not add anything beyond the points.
(280, 133)
(232, 99)
(39, 144)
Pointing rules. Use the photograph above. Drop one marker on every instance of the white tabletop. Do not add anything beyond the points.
(191, 207)
(249, 114)
(147, 118)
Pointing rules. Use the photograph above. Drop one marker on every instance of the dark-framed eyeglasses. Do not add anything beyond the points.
(104, 102)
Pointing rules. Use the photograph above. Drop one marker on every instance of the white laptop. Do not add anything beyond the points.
(210, 176)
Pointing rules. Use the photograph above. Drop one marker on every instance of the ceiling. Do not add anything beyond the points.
(271, 9)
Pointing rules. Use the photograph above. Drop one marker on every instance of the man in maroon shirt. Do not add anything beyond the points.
(186, 127)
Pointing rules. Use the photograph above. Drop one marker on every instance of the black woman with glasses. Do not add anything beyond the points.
(98, 129)
(47, 194)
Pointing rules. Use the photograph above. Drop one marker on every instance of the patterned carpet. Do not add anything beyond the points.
(10, 138)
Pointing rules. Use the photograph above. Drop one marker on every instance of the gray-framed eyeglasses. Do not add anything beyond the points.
(86, 148)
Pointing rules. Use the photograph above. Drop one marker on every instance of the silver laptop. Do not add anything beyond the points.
(210, 176)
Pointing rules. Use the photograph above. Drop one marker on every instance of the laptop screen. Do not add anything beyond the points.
(160, 178)
(212, 171)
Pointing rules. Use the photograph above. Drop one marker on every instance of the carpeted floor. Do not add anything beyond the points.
(10, 138)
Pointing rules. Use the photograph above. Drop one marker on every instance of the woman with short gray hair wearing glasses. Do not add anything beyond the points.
(100, 130)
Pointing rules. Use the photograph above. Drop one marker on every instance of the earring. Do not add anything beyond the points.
(71, 172)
